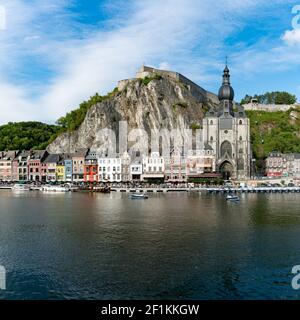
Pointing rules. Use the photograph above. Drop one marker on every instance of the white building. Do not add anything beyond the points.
(153, 166)
(136, 171)
(109, 169)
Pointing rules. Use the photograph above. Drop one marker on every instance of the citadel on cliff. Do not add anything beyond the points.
(154, 99)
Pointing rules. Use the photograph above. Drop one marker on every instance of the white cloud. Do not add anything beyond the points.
(83, 62)
(292, 37)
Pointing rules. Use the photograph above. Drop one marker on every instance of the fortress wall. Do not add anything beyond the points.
(268, 107)
(195, 89)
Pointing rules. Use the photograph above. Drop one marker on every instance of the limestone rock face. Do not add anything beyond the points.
(162, 103)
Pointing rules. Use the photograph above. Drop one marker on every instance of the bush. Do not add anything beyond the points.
(147, 80)
(72, 120)
(182, 105)
(195, 126)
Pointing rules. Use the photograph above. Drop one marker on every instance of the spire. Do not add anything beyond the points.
(226, 92)
(226, 75)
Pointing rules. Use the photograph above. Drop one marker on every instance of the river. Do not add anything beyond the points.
(171, 246)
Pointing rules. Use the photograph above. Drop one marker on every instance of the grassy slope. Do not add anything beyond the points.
(272, 131)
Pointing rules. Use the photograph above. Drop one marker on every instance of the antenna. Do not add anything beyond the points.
(226, 60)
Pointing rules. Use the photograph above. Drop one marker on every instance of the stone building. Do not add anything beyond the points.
(227, 131)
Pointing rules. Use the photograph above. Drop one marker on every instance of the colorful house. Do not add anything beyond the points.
(20, 166)
(51, 162)
(91, 167)
(78, 160)
(60, 171)
(37, 169)
(201, 163)
(6, 164)
(175, 167)
(68, 163)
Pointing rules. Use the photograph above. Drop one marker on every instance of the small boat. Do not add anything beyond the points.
(55, 189)
(139, 196)
(232, 198)
(20, 187)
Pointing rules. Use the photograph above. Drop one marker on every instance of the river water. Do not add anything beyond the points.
(171, 246)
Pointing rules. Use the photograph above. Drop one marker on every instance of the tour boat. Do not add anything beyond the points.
(232, 198)
(55, 189)
(20, 187)
(139, 196)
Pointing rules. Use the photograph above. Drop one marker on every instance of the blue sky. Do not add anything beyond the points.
(56, 53)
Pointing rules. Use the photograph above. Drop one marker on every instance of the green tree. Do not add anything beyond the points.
(275, 97)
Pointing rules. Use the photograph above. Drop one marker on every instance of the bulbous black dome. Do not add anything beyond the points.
(226, 92)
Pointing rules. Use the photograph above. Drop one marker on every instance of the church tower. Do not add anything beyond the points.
(227, 130)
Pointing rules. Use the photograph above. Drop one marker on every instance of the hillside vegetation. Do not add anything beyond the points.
(272, 131)
(72, 120)
(26, 135)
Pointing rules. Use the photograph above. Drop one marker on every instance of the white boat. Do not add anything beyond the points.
(139, 196)
(20, 187)
(231, 197)
(55, 189)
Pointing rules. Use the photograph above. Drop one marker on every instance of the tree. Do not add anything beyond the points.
(275, 97)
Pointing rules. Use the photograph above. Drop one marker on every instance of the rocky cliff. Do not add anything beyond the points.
(161, 102)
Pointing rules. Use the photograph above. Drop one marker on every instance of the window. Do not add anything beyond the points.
(211, 122)
(211, 138)
(226, 149)
(241, 138)
(241, 122)
(240, 164)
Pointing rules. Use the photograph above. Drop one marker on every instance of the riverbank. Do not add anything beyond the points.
(164, 189)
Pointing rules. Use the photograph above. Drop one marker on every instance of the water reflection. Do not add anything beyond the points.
(177, 245)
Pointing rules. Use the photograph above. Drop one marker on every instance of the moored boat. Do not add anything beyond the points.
(55, 189)
(20, 187)
(231, 197)
(139, 196)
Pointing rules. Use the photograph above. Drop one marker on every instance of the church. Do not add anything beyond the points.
(227, 130)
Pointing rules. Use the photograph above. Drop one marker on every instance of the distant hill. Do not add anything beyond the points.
(26, 135)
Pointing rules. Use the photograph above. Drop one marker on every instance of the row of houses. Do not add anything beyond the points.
(86, 165)
(283, 165)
